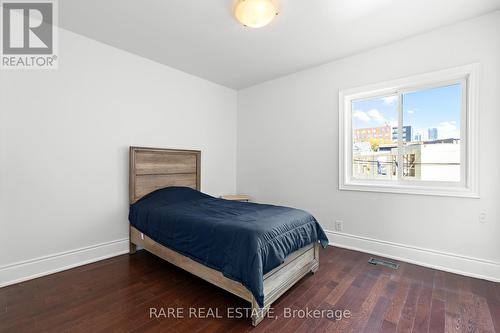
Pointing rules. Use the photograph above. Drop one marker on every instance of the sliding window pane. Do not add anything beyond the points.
(374, 138)
(431, 134)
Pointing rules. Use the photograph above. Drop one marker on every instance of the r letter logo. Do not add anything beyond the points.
(28, 34)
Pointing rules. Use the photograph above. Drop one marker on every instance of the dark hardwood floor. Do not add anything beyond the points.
(116, 295)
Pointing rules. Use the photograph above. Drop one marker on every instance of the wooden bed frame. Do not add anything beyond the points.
(155, 168)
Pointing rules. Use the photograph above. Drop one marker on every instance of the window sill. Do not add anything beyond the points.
(462, 192)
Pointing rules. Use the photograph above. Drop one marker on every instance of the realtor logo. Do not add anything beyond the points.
(28, 34)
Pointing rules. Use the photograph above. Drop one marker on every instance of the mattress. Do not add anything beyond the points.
(242, 240)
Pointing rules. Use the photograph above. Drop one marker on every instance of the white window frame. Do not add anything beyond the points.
(469, 180)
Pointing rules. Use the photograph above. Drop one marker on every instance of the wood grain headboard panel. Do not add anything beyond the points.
(155, 168)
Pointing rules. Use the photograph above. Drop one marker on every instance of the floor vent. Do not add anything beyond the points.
(375, 261)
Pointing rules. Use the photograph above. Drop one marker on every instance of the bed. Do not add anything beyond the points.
(254, 251)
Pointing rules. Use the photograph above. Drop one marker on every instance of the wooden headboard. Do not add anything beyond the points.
(155, 168)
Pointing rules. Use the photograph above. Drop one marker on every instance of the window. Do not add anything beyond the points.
(414, 135)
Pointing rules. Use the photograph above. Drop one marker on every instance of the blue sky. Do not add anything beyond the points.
(432, 108)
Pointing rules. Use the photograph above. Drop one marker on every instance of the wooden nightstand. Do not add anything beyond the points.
(236, 197)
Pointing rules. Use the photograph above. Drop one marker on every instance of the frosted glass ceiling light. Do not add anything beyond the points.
(255, 13)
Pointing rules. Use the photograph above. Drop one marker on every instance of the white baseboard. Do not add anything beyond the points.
(33, 268)
(463, 265)
(449, 262)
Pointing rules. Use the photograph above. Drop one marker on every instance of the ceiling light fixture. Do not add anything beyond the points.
(255, 13)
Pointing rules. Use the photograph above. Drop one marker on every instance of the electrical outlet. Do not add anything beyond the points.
(482, 217)
(339, 225)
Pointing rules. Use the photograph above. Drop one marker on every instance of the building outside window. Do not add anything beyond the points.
(432, 133)
(416, 135)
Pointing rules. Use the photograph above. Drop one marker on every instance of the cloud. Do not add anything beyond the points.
(360, 115)
(448, 124)
(411, 111)
(375, 115)
(370, 115)
(448, 129)
(390, 99)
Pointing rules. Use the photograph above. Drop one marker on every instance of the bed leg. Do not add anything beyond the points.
(315, 268)
(258, 314)
(132, 248)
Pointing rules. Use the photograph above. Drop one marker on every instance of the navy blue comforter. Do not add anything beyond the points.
(244, 241)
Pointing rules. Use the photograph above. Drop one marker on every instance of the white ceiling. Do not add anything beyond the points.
(201, 37)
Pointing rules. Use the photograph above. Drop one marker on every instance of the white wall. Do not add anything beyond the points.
(288, 153)
(64, 138)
